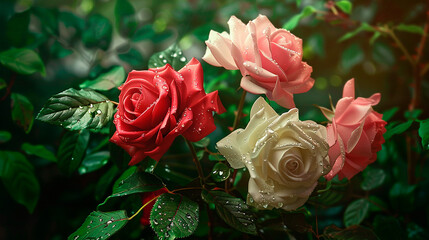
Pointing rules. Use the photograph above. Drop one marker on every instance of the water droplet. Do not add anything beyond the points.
(77, 237)
(164, 61)
(99, 112)
(188, 216)
(182, 59)
(161, 56)
(155, 222)
(90, 105)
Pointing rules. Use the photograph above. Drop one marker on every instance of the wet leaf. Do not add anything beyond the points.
(22, 111)
(71, 150)
(173, 55)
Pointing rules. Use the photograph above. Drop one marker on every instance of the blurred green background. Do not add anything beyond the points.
(80, 39)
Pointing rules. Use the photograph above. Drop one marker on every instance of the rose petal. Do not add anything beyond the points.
(349, 89)
(220, 49)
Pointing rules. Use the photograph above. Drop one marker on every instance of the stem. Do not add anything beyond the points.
(239, 111)
(135, 214)
(9, 86)
(423, 39)
(196, 162)
(210, 222)
(183, 189)
(116, 103)
(401, 46)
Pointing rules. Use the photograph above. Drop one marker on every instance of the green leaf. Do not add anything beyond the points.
(133, 57)
(71, 150)
(77, 109)
(105, 182)
(126, 22)
(293, 22)
(332, 232)
(23, 61)
(424, 133)
(19, 179)
(98, 32)
(106, 81)
(202, 143)
(402, 197)
(361, 28)
(59, 51)
(376, 204)
(382, 54)
(72, 20)
(220, 172)
(39, 150)
(356, 212)
(17, 29)
(412, 115)
(100, 225)
(173, 55)
(410, 28)
(94, 161)
(22, 111)
(146, 32)
(232, 210)
(398, 129)
(174, 216)
(388, 228)
(5, 136)
(372, 178)
(388, 114)
(352, 56)
(133, 181)
(3, 83)
(48, 19)
(298, 3)
(374, 37)
(345, 6)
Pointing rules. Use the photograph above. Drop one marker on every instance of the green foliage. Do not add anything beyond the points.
(71, 150)
(232, 210)
(106, 81)
(174, 216)
(132, 182)
(388, 228)
(100, 225)
(293, 22)
(345, 6)
(382, 54)
(356, 212)
(77, 109)
(18, 178)
(402, 197)
(22, 111)
(23, 61)
(352, 56)
(173, 55)
(424, 133)
(132, 57)
(373, 178)
(5, 136)
(388, 114)
(397, 129)
(145, 32)
(38, 150)
(98, 32)
(351, 233)
(361, 28)
(17, 29)
(126, 22)
(410, 28)
(3, 83)
(94, 161)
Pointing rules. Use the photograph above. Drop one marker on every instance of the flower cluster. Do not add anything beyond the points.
(284, 156)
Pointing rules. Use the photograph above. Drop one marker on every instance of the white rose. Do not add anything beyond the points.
(285, 156)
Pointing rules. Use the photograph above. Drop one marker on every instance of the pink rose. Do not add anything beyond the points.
(355, 134)
(269, 59)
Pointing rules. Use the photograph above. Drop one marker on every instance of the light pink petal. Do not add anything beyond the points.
(257, 57)
(299, 80)
(349, 89)
(354, 137)
(272, 66)
(220, 48)
(354, 114)
(262, 23)
(238, 32)
(281, 97)
(285, 59)
(249, 84)
(210, 59)
(287, 40)
(342, 105)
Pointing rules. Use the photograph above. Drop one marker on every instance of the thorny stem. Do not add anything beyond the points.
(196, 162)
(398, 42)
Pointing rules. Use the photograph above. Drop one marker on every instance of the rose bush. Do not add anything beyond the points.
(269, 59)
(157, 105)
(355, 134)
(285, 156)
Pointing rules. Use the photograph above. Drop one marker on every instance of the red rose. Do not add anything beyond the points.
(146, 197)
(157, 105)
(355, 134)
